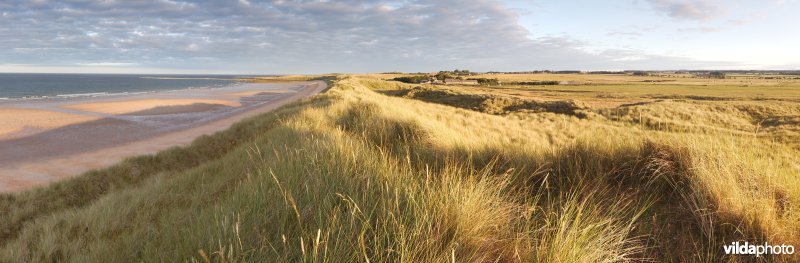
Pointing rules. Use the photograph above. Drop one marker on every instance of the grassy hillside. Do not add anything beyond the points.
(375, 171)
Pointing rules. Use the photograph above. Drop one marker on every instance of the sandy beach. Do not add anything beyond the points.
(18, 122)
(45, 141)
(131, 106)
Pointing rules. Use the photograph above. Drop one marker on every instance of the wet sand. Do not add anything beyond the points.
(18, 122)
(130, 106)
(256, 92)
(68, 137)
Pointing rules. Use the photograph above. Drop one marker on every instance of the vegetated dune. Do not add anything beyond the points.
(491, 104)
(355, 175)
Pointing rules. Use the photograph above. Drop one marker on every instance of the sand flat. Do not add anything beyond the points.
(18, 122)
(130, 106)
(256, 92)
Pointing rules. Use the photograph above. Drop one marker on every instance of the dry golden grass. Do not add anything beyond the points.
(657, 79)
(742, 169)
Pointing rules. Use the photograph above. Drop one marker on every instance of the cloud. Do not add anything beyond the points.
(632, 31)
(285, 36)
(702, 29)
(687, 9)
(107, 64)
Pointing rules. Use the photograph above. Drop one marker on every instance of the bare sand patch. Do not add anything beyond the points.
(178, 109)
(256, 92)
(15, 121)
(130, 106)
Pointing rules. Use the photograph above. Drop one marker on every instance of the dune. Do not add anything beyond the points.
(130, 106)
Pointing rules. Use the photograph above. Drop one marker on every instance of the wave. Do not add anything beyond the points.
(108, 94)
(104, 94)
(74, 95)
(93, 94)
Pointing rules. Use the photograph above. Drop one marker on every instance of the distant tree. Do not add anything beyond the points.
(442, 75)
(716, 74)
(641, 73)
(412, 79)
(457, 72)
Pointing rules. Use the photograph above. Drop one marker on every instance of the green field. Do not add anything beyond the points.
(608, 169)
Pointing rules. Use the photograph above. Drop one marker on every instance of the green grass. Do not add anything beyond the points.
(353, 175)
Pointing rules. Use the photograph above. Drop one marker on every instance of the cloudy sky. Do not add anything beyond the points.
(321, 36)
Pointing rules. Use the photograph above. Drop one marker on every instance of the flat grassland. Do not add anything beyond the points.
(604, 168)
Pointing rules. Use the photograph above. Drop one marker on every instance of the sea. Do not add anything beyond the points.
(34, 86)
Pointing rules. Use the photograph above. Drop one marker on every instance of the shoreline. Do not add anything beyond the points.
(25, 163)
(81, 106)
(71, 97)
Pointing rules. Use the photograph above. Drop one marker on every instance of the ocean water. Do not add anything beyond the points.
(25, 86)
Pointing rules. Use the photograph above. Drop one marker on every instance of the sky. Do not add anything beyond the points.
(356, 36)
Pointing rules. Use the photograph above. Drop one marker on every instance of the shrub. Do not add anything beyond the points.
(412, 79)
(487, 82)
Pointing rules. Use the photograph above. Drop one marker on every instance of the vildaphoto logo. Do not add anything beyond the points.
(738, 248)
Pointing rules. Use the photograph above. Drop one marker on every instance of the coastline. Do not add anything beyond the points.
(112, 129)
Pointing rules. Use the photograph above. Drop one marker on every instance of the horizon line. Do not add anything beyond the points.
(411, 72)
